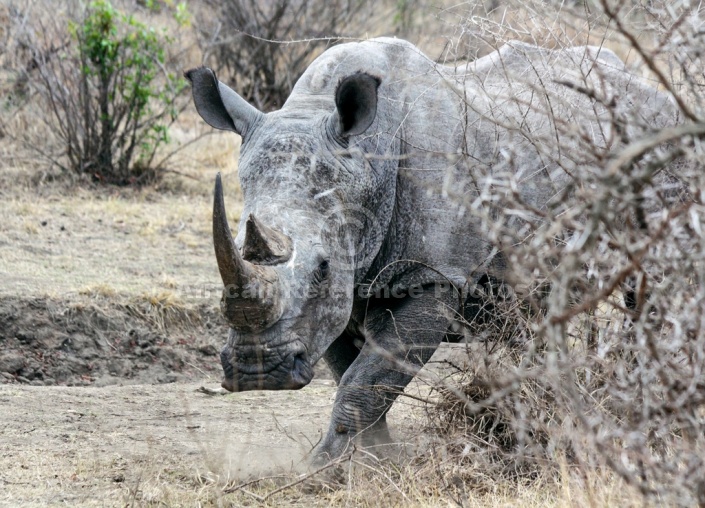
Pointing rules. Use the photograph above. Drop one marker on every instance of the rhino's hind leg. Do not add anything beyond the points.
(401, 337)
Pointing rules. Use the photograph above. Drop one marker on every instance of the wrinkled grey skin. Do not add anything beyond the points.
(377, 185)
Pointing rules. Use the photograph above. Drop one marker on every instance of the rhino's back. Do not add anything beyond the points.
(519, 113)
(516, 66)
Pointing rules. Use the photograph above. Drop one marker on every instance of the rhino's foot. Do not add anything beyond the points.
(328, 480)
(376, 437)
(340, 441)
(332, 449)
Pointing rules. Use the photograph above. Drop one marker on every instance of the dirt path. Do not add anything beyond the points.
(71, 446)
(173, 445)
(101, 289)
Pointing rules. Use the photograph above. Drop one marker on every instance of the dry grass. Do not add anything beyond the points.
(163, 309)
(58, 240)
(167, 446)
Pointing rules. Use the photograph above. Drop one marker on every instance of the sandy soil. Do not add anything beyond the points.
(71, 446)
(174, 445)
(109, 324)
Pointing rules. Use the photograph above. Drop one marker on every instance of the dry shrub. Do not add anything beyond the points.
(495, 414)
(606, 369)
(264, 47)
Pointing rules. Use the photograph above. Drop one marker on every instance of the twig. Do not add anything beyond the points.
(339, 460)
(235, 488)
(648, 60)
(380, 472)
(637, 149)
(210, 391)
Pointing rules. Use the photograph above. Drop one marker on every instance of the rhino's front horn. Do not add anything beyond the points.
(251, 301)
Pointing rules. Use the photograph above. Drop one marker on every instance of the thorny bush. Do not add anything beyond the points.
(598, 361)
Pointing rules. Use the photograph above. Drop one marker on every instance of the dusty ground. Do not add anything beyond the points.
(109, 323)
(173, 445)
(90, 446)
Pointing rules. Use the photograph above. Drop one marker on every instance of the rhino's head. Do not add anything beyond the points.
(315, 203)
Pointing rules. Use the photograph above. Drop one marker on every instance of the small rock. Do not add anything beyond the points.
(25, 335)
(31, 370)
(168, 377)
(22, 379)
(50, 381)
(7, 376)
(36, 382)
(119, 478)
(208, 349)
(11, 362)
(145, 342)
(62, 373)
(119, 367)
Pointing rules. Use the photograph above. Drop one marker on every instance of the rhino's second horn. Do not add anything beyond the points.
(264, 245)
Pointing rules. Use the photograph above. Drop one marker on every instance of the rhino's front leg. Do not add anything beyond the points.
(401, 336)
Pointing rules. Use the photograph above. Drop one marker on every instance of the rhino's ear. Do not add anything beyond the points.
(356, 103)
(219, 105)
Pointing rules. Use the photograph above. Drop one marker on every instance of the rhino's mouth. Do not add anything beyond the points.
(271, 370)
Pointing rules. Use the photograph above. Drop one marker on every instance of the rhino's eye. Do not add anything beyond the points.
(322, 272)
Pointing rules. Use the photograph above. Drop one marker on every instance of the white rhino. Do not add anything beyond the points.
(360, 227)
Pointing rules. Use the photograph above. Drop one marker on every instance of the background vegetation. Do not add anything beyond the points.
(563, 391)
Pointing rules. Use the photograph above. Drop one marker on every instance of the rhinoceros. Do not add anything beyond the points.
(358, 232)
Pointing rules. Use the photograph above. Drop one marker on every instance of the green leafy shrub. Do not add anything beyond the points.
(113, 95)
